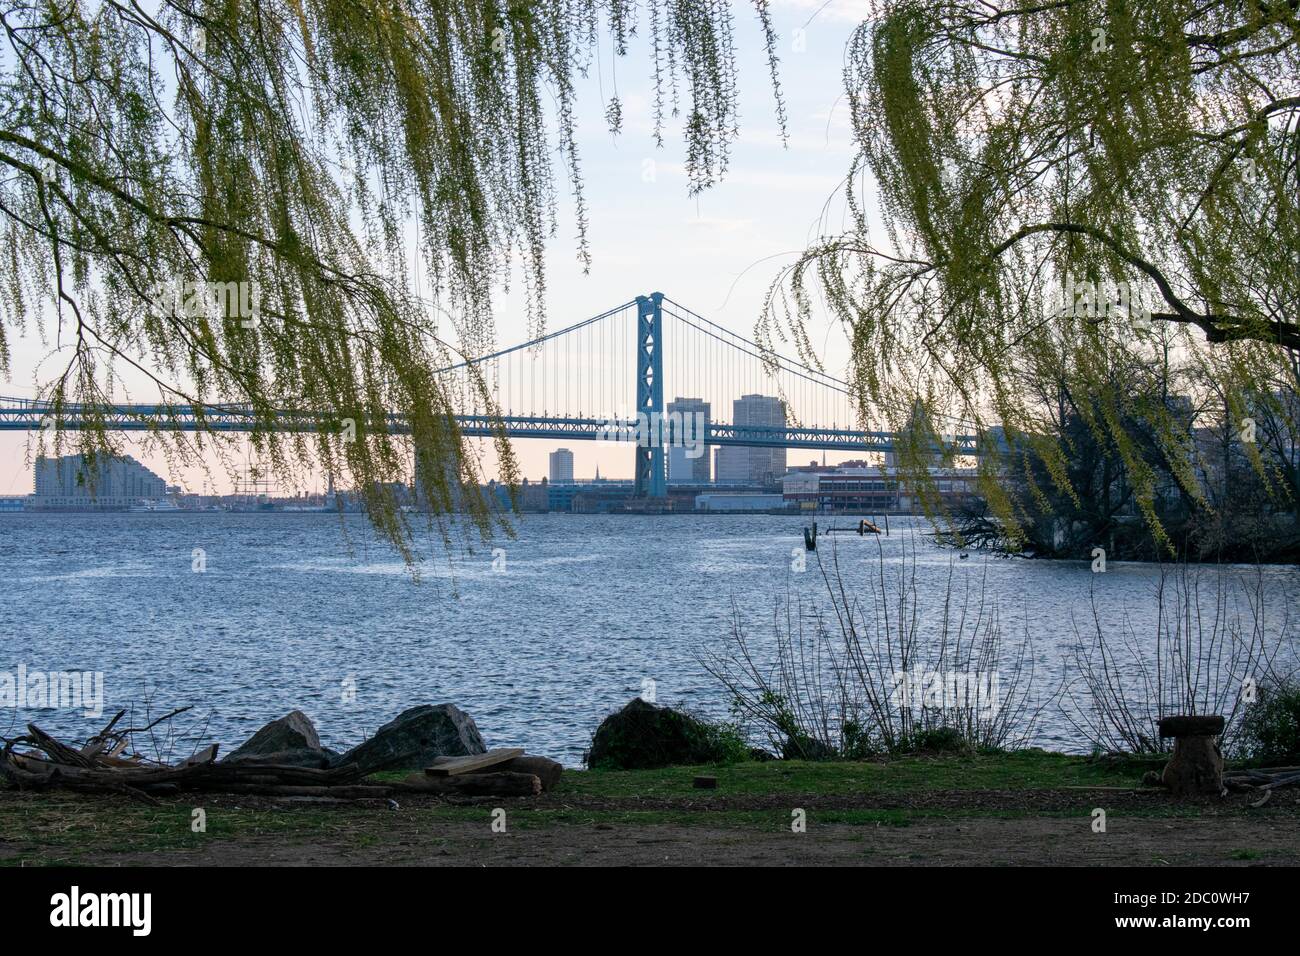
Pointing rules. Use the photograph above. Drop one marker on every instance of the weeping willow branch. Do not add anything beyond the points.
(285, 147)
(1146, 152)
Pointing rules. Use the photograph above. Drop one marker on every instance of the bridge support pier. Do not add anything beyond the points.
(651, 481)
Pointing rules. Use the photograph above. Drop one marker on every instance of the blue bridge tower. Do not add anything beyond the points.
(650, 478)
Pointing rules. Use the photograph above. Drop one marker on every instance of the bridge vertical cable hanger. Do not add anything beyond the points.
(709, 363)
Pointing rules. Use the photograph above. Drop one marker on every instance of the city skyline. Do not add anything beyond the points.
(707, 250)
(608, 459)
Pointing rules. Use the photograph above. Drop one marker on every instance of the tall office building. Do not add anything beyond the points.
(753, 465)
(561, 467)
(110, 484)
(681, 466)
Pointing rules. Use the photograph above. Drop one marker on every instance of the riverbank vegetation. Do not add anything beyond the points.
(1227, 490)
(1208, 652)
(1270, 729)
(881, 668)
(859, 678)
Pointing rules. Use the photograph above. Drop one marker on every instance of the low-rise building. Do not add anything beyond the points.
(598, 494)
(732, 501)
(870, 489)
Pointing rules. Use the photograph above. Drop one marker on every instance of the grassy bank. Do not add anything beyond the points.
(916, 809)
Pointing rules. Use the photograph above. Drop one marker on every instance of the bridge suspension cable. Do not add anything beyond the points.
(573, 382)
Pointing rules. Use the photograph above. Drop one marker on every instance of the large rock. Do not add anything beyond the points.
(290, 740)
(642, 735)
(412, 739)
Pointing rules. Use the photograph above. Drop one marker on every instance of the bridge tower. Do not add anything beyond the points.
(651, 478)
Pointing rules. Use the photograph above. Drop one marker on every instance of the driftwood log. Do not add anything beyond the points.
(1264, 779)
(548, 771)
(101, 767)
(32, 773)
(543, 768)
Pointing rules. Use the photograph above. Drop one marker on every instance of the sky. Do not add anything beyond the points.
(715, 253)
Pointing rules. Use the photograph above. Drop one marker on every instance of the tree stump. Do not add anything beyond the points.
(1196, 766)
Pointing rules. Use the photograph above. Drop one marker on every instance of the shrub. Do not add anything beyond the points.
(843, 678)
(642, 736)
(1270, 728)
(1209, 637)
(938, 740)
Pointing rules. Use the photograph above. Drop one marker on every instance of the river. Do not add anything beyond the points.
(246, 616)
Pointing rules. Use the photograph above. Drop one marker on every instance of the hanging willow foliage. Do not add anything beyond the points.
(272, 153)
(1143, 151)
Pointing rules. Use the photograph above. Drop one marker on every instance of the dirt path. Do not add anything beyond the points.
(971, 841)
(944, 827)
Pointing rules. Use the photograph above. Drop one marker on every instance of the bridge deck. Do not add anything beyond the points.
(28, 415)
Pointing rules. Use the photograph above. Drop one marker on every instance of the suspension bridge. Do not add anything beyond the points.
(606, 378)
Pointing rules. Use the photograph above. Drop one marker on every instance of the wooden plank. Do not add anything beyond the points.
(453, 766)
(450, 761)
(132, 762)
(207, 755)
